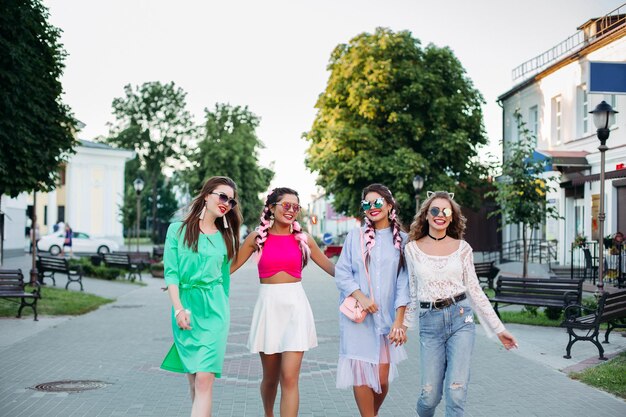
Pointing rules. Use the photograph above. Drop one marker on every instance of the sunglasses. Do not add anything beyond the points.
(289, 206)
(368, 205)
(224, 199)
(434, 211)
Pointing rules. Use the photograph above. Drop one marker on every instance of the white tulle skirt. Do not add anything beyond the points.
(354, 372)
(282, 320)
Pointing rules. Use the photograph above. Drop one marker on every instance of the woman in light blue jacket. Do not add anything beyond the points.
(369, 351)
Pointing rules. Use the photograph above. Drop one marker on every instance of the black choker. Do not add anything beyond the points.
(437, 238)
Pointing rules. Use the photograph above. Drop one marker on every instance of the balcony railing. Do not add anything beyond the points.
(592, 32)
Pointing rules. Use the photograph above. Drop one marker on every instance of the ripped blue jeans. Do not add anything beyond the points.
(446, 344)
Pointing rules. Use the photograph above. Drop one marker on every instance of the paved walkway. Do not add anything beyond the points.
(123, 344)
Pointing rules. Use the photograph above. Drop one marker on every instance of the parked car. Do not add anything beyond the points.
(81, 242)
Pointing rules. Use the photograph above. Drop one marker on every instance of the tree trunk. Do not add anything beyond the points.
(525, 256)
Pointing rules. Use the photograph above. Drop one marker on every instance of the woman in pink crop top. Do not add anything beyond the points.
(282, 327)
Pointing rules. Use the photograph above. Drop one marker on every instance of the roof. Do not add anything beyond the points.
(98, 145)
(564, 161)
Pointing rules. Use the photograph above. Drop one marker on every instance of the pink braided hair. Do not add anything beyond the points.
(262, 230)
(302, 241)
(370, 238)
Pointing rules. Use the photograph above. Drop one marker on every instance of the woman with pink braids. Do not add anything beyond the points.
(372, 269)
(283, 327)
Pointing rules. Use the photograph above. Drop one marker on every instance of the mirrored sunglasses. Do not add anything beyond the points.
(368, 205)
(224, 199)
(289, 206)
(434, 211)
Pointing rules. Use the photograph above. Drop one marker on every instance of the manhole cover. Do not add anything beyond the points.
(70, 386)
(126, 306)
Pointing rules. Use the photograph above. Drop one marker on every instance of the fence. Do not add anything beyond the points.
(584, 262)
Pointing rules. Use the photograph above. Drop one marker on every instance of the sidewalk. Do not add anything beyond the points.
(123, 344)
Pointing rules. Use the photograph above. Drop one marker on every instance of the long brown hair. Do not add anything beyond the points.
(419, 227)
(233, 216)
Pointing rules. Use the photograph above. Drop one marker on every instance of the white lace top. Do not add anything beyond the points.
(436, 277)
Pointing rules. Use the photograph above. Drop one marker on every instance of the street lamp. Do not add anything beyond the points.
(138, 184)
(34, 274)
(603, 118)
(418, 184)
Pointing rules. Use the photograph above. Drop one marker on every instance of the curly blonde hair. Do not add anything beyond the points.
(419, 227)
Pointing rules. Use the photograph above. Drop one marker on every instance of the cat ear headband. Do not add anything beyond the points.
(431, 193)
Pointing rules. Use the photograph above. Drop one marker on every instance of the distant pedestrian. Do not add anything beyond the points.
(59, 225)
(445, 294)
(283, 327)
(67, 240)
(372, 269)
(197, 257)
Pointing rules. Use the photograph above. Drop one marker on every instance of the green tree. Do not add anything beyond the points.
(230, 147)
(36, 128)
(391, 110)
(153, 120)
(167, 203)
(521, 189)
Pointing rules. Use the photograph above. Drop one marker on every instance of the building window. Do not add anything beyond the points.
(45, 215)
(557, 120)
(583, 102)
(613, 103)
(533, 123)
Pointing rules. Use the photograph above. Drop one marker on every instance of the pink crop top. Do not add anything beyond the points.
(280, 253)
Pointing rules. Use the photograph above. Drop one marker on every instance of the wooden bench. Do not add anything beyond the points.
(488, 271)
(48, 266)
(12, 286)
(157, 252)
(611, 310)
(539, 292)
(123, 260)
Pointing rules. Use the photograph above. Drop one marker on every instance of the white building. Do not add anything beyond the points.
(88, 197)
(329, 221)
(551, 95)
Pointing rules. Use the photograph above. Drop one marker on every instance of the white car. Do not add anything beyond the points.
(81, 242)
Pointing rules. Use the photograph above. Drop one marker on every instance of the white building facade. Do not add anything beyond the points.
(552, 98)
(88, 197)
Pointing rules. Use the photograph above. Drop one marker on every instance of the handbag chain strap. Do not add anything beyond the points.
(367, 272)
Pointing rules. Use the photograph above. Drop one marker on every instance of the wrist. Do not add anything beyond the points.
(177, 311)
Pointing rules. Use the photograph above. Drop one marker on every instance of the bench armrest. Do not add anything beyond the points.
(572, 311)
(570, 297)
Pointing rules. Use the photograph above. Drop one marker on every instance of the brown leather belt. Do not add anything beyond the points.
(439, 304)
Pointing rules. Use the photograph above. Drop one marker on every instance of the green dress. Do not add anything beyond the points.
(203, 278)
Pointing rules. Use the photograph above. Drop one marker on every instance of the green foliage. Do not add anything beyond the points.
(152, 119)
(392, 109)
(166, 199)
(553, 313)
(609, 376)
(101, 271)
(521, 191)
(531, 310)
(230, 147)
(36, 128)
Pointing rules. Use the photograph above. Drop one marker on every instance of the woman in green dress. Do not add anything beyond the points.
(197, 256)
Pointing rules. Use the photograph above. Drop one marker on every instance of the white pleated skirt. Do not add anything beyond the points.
(282, 320)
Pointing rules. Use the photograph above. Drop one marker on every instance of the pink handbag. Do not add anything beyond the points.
(350, 306)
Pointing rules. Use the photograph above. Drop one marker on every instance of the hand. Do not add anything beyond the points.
(367, 304)
(397, 334)
(507, 340)
(183, 320)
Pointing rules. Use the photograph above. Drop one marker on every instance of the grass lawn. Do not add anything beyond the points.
(133, 241)
(57, 302)
(609, 376)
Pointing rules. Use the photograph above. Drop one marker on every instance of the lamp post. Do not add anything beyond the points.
(603, 118)
(138, 184)
(34, 274)
(418, 184)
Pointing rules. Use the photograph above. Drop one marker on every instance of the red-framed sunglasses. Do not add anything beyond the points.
(289, 206)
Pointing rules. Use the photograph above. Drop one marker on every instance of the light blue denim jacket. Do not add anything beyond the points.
(361, 341)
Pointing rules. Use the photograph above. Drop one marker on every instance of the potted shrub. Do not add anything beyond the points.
(580, 241)
(156, 269)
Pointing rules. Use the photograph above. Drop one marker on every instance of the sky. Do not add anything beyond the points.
(272, 55)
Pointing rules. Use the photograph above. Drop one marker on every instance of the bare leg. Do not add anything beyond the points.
(289, 377)
(383, 372)
(192, 388)
(203, 389)
(269, 384)
(364, 397)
